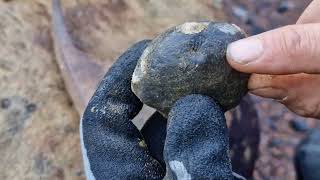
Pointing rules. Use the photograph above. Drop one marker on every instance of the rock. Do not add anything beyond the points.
(241, 13)
(272, 124)
(244, 137)
(299, 125)
(275, 143)
(189, 59)
(284, 6)
(307, 157)
(255, 29)
(5, 103)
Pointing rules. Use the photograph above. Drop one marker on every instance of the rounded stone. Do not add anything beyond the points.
(189, 59)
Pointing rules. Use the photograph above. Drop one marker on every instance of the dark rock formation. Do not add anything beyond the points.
(244, 138)
(189, 59)
(307, 157)
(299, 125)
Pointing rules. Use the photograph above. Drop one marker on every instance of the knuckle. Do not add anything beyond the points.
(309, 111)
(316, 113)
(298, 42)
(302, 107)
(293, 42)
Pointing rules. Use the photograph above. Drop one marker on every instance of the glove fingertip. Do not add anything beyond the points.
(197, 139)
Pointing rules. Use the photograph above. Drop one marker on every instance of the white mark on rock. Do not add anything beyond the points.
(239, 29)
(178, 168)
(192, 27)
(141, 68)
(144, 60)
(229, 28)
(135, 78)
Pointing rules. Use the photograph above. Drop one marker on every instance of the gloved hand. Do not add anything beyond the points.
(192, 145)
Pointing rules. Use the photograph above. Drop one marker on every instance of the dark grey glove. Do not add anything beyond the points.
(196, 140)
(112, 146)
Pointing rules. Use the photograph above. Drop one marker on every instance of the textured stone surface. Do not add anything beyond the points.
(189, 59)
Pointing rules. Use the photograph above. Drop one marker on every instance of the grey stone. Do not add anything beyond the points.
(299, 125)
(307, 157)
(189, 59)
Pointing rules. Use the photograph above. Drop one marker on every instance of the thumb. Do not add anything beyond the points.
(288, 50)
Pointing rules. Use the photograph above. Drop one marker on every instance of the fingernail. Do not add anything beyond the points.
(245, 51)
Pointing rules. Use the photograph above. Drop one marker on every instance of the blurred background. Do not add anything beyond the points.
(39, 136)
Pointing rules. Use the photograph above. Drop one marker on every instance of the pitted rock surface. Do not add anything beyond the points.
(190, 59)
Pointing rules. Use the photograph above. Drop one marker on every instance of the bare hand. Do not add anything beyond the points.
(285, 63)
